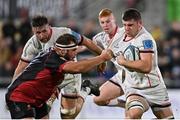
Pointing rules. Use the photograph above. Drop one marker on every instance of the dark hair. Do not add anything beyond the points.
(66, 39)
(39, 20)
(130, 14)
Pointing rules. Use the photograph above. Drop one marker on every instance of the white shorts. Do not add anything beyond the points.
(155, 96)
(117, 78)
(72, 84)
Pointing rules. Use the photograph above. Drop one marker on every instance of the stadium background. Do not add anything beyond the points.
(160, 17)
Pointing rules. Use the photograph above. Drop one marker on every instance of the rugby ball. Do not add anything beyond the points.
(131, 53)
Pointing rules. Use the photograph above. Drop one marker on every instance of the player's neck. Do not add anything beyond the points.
(112, 34)
(127, 38)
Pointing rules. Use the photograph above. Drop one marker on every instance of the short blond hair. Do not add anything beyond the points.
(105, 12)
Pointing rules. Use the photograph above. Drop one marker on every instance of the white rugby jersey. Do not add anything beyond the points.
(144, 41)
(102, 38)
(34, 46)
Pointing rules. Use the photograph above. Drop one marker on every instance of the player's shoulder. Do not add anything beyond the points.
(99, 35)
(61, 29)
(145, 35)
(33, 38)
(33, 42)
(146, 40)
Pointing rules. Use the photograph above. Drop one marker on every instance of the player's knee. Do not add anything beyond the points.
(162, 112)
(100, 102)
(135, 109)
(67, 113)
(134, 114)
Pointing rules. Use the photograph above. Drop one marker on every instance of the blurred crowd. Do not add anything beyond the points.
(13, 37)
(169, 55)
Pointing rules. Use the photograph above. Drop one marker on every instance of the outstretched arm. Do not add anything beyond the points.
(86, 65)
(96, 49)
(91, 46)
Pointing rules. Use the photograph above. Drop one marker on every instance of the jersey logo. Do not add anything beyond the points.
(148, 44)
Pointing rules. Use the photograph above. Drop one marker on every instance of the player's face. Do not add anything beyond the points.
(132, 27)
(72, 53)
(43, 33)
(67, 54)
(107, 23)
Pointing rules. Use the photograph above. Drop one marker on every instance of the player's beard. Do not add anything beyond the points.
(67, 57)
(45, 40)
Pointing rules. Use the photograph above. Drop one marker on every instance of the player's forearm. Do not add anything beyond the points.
(16, 73)
(138, 65)
(21, 66)
(91, 46)
(83, 66)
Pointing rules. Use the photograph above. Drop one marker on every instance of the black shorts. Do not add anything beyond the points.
(19, 110)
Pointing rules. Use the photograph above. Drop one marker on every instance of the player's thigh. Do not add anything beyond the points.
(20, 110)
(70, 93)
(162, 112)
(74, 87)
(159, 101)
(109, 90)
(41, 112)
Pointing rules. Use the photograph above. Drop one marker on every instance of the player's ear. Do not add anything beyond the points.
(60, 51)
(63, 52)
(140, 22)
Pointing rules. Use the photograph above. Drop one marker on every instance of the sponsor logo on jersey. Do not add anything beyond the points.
(148, 44)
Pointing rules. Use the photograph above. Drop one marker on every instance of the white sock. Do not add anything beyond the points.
(117, 103)
(113, 102)
(84, 92)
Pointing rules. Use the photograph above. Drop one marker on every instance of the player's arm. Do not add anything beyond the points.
(97, 41)
(91, 46)
(86, 65)
(143, 65)
(88, 43)
(29, 52)
(21, 66)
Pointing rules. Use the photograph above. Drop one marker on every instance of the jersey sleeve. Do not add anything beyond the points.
(65, 30)
(78, 36)
(97, 39)
(146, 44)
(30, 51)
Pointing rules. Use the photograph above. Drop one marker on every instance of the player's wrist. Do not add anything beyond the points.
(102, 58)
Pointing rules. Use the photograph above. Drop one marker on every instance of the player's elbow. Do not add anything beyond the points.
(147, 69)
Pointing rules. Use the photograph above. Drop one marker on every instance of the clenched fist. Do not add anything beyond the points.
(107, 54)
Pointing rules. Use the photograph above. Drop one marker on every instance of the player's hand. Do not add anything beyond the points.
(101, 68)
(120, 59)
(107, 54)
(53, 97)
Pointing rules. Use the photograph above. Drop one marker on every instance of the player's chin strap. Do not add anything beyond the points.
(66, 47)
